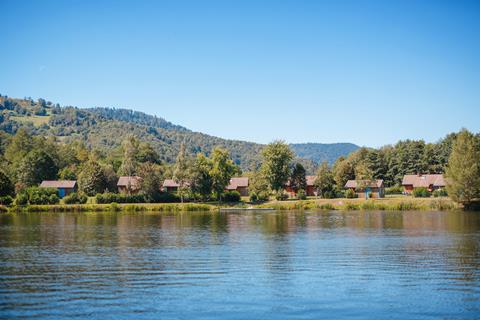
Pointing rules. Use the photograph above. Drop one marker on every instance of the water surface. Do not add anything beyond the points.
(275, 265)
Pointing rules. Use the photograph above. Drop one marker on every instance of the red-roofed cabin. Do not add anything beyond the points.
(309, 190)
(171, 186)
(64, 187)
(239, 184)
(429, 181)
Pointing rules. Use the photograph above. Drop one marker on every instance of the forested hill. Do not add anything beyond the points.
(319, 152)
(105, 128)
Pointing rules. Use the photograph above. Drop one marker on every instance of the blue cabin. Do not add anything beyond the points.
(64, 187)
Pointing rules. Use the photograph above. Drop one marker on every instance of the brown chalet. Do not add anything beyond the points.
(64, 187)
(129, 184)
(367, 188)
(309, 190)
(170, 185)
(239, 184)
(429, 181)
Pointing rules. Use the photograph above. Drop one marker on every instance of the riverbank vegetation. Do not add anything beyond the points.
(26, 159)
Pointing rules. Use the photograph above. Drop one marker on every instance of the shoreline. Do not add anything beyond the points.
(383, 204)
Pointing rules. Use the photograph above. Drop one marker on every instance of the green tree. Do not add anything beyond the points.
(223, 169)
(324, 181)
(130, 151)
(147, 154)
(181, 172)
(92, 178)
(463, 170)
(258, 188)
(298, 179)
(277, 157)
(201, 180)
(36, 167)
(343, 171)
(6, 185)
(151, 182)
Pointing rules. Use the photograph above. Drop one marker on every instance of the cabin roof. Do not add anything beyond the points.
(132, 181)
(378, 183)
(59, 184)
(424, 180)
(238, 182)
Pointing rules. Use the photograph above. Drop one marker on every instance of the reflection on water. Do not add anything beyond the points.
(253, 265)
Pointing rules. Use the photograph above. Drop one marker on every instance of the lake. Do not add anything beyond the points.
(251, 265)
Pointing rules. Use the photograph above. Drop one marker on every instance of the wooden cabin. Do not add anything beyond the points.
(430, 181)
(239, 184)
(367, 188)
(129, 184)
(64, 187)
(309, 190)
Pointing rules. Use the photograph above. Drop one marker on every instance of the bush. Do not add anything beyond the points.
(301, 194)
(394, 190)
(75, 198)
(231, 196)
(103, 198)
(328, 195)
(6, 200)
(167, 197)
(440, 193)
(21, 199)
(36, 195)
(280, 196)
(350, 194)
(421, 192)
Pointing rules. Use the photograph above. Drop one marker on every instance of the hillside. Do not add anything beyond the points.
(319, 152)
(105, 128)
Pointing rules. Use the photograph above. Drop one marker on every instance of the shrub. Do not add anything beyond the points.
(394, 190)
(75, 198)
(167, 197)
(6, 200)
(352, 206)
(440, 193)
(350, 194)
(301, 194)
(328, 195)
(21, 199)
(231, 196)
(421, 192)
(119, 198)
(280, 196)
(368, 205)
(36, 195)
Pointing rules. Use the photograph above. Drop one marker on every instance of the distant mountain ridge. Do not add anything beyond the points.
(105, 129)
(319, 152)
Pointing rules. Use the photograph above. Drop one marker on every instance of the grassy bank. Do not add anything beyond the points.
(114, 207)
(391, 204)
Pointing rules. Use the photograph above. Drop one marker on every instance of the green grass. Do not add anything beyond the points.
(389, 204)
(36, 120)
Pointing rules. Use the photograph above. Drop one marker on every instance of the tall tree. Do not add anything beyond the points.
(6, 185)
(130, 151)
(463, 171)
(92, 179)
(36, 167)
(180, 171)
(343, 171)
(298, 179)
(276, 164)
(223, 169)
(324, 181)
(201, 180)
(151, 181)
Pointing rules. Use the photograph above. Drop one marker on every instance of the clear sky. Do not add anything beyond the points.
(367, 72)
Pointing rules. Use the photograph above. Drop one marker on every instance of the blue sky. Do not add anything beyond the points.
(367, 72)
